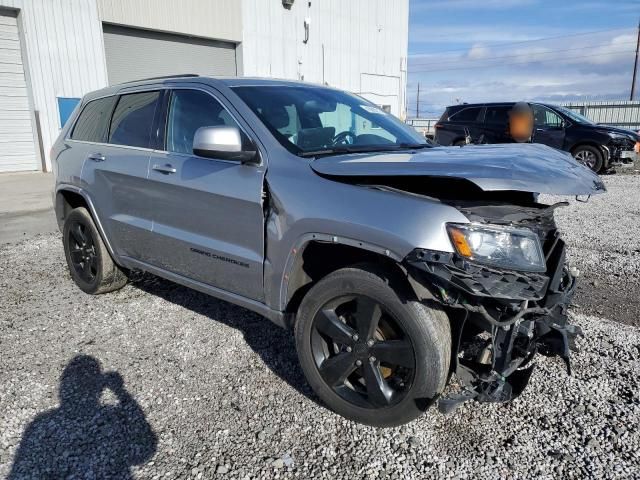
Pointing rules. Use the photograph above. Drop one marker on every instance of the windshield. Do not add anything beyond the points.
(575, 116)
(316, 120)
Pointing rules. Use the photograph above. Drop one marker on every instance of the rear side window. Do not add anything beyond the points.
(469, 114)
(93, 121)
(497, 115)
(133, 119)
(445, 116)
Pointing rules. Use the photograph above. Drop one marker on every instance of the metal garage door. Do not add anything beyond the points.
(133, 54)
(17, 145)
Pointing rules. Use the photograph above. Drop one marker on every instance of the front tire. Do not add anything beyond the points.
(589, 156)
(371, 352)
(88, 259)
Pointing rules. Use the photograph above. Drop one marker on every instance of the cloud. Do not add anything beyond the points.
(605, 54)
(519, 50)
(434, 34)
(599, 50)
(478, 52)
(574, 69)
(517, 85)
(621, 7)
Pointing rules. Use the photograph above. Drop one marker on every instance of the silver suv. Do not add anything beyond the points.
(395, 262)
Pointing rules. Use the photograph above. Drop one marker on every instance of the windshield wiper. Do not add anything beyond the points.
(415, 146)
(345, 149)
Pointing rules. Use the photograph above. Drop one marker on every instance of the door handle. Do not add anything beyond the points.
(166, 169)
(96, 157)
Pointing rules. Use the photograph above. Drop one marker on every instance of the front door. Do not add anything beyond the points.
(208, 221)
(548, 127)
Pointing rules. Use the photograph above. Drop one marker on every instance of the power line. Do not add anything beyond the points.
(458, 60)
(625, 52)
(541, 39)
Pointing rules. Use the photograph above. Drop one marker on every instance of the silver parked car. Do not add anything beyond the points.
(396, 263)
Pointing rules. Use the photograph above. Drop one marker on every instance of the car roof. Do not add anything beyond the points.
(488, 104)
(494, 104)
(190, 78)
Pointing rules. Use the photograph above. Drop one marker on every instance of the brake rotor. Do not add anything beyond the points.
(382, 336)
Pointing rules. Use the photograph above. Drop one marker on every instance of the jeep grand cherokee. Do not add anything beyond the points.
(395, 263)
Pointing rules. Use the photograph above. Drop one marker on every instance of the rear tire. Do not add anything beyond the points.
(588, 156)
(88, 259)
(412, 343)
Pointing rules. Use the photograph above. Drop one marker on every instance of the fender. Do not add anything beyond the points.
(92, 210)
(295, 257)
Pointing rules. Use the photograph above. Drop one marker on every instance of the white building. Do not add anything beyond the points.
(52, 52)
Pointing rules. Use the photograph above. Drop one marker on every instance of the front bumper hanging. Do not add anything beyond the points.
(504, 319)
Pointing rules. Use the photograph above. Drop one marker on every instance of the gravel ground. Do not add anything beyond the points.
(158, 381)
(603, 236)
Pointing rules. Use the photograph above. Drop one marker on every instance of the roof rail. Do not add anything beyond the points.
(181, 75)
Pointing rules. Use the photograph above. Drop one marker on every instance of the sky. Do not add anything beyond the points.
(516, 50)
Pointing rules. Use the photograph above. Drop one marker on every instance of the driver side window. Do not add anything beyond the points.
(188, 111)
(545, 117)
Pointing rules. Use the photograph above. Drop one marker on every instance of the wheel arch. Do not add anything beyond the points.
(69, 197)
(67, 200)
(604, 151)
(319, 255)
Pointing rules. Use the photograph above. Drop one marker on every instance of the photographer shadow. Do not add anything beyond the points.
(84, 438)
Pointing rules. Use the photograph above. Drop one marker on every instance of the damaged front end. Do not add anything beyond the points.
(503, 308)
(501, 317)
(622, 151)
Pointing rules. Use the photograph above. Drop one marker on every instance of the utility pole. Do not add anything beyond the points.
(418, 102)
(635, 65)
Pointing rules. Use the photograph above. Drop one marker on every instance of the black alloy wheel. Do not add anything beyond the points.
(89, 261)
(82, 251)
(369, 349)
(362, 352)
(589, 156)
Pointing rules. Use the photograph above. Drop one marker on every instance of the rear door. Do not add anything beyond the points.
(548, 126)
(115, 172)
(462, 121)
(208, 214)
(496, 124)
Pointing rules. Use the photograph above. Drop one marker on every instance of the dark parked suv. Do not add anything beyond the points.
(395, 262)
(597, 146)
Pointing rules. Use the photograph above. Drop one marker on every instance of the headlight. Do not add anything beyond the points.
(504, 247)
(622, 136)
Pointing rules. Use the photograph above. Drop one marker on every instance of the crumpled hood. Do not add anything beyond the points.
(522, 167)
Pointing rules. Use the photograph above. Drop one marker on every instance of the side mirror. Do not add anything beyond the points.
(224, 143)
